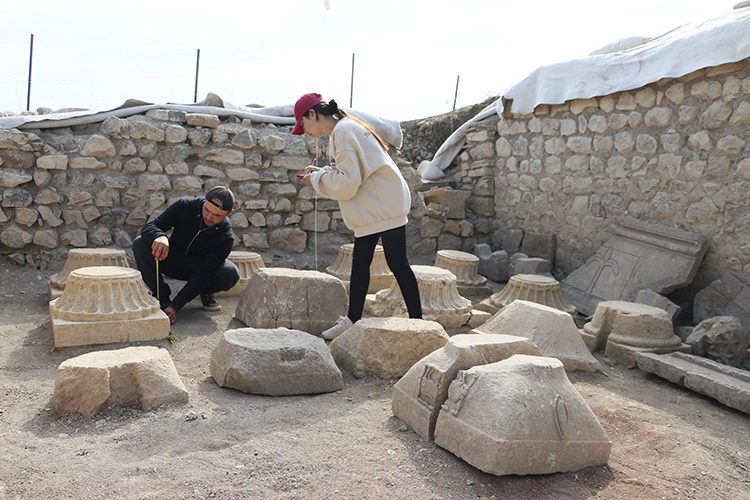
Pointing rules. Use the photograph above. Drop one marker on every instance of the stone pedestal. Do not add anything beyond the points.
(624, 328)
(143, 376)
(530, 287)
(85, 257)
(381, 276)
(440, 299)
(102, 305)
(465, 267)
(247, 263)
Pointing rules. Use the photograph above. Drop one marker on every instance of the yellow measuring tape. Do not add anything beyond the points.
(157, 281)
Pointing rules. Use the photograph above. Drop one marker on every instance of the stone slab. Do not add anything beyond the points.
(309, 301)
(540, 245)
(274, 362)
(454, 199)
(730, 386)
(552, 330)
(144, 376)
(651, 298)
(386, 347)
(67, 333)
(520, 416)
(419, 394)
(639, 255)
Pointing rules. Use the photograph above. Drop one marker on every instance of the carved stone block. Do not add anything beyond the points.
(85, 257)
(520, 416)
(465, 267)
(640, 255)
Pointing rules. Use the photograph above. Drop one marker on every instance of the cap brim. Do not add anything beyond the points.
(298, 130)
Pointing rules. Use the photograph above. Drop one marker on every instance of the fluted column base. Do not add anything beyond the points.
(381, 276)
(533, 288)
(247, 263)
(85, 257)
(465, 267)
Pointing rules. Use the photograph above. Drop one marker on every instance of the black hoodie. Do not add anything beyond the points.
(202, 248)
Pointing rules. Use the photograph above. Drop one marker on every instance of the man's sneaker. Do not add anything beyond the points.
(343, 325)
(209, 302)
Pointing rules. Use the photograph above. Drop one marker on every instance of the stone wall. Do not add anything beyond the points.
(674, 152)
(97, 185)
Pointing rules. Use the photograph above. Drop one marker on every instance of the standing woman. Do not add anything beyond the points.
(373, 196)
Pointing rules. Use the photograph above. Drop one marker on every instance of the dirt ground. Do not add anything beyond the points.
(668, 442)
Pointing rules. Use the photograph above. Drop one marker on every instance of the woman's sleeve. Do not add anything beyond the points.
(341, 182)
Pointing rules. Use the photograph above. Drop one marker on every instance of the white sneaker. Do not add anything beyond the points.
(343, 325)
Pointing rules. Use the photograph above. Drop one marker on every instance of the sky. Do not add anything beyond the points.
(399, 59)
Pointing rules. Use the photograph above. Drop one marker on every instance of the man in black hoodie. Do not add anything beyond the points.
(195, 252)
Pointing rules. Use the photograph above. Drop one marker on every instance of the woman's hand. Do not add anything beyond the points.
(308, 170)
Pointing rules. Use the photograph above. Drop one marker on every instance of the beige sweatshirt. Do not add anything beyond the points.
(369, 187)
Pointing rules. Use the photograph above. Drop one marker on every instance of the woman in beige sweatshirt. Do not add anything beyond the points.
(373, 196)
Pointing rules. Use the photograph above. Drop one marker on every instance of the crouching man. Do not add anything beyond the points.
(195, 252)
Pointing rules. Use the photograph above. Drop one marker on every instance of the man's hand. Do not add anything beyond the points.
(171, 313)
(160, 249)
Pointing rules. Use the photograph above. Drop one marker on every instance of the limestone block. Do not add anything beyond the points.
(107, 304)
(534, 288)
(727, 296)
(420, 393)
(455, 200)
(85, 257)
(381, 276)
(721, 339)
(300, 300)
(274, 362)
(529, 265)
(651, 298)
(386, 347)
(247, 263)
(640, 255)
(520, 416)
(202, 120)
(438, 293)
(465, 267)
(552, 330)
(624, 328)
(478, 317)
(143, 376)
(728, 385)
(493, 265)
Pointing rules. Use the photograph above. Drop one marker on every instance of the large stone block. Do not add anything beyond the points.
(640, 255)
(520, 416)
(274, 362)
(103, 305)
(143, 376)
(421, 392)
(720, 338)
(493, 265)
(299, 300)
(455, 200)
(386, 347)
(552, 330)
(728, 385)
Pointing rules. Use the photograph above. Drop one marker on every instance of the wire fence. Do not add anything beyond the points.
(78, 72)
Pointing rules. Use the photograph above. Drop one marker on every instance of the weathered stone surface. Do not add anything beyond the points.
(289, 239)
(11, 179)
(15, 237)
(300, 300)
(202, 120)
(552, 330)
(726, 296)
(651, 298)
(102, 305)
(640, 255)
(520, 416)
(730, 386)
(454, 200)
(540, 245)
(721, 339)
(465, 267)
(386, 347)
(438, 293)
(381, 276)
(274, 362)
(99, 147)
(144, 376)
(533, 288)
(493, 265)
(421, 392)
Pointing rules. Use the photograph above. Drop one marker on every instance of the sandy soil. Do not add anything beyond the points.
(667, 441)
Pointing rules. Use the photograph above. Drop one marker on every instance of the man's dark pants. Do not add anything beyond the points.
(180, 268)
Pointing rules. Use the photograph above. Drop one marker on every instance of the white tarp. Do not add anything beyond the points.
(679, 52)
(389, 130)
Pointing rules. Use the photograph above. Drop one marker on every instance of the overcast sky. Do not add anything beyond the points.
(408, 54)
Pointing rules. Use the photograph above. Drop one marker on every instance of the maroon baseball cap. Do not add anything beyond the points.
(302, 106)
